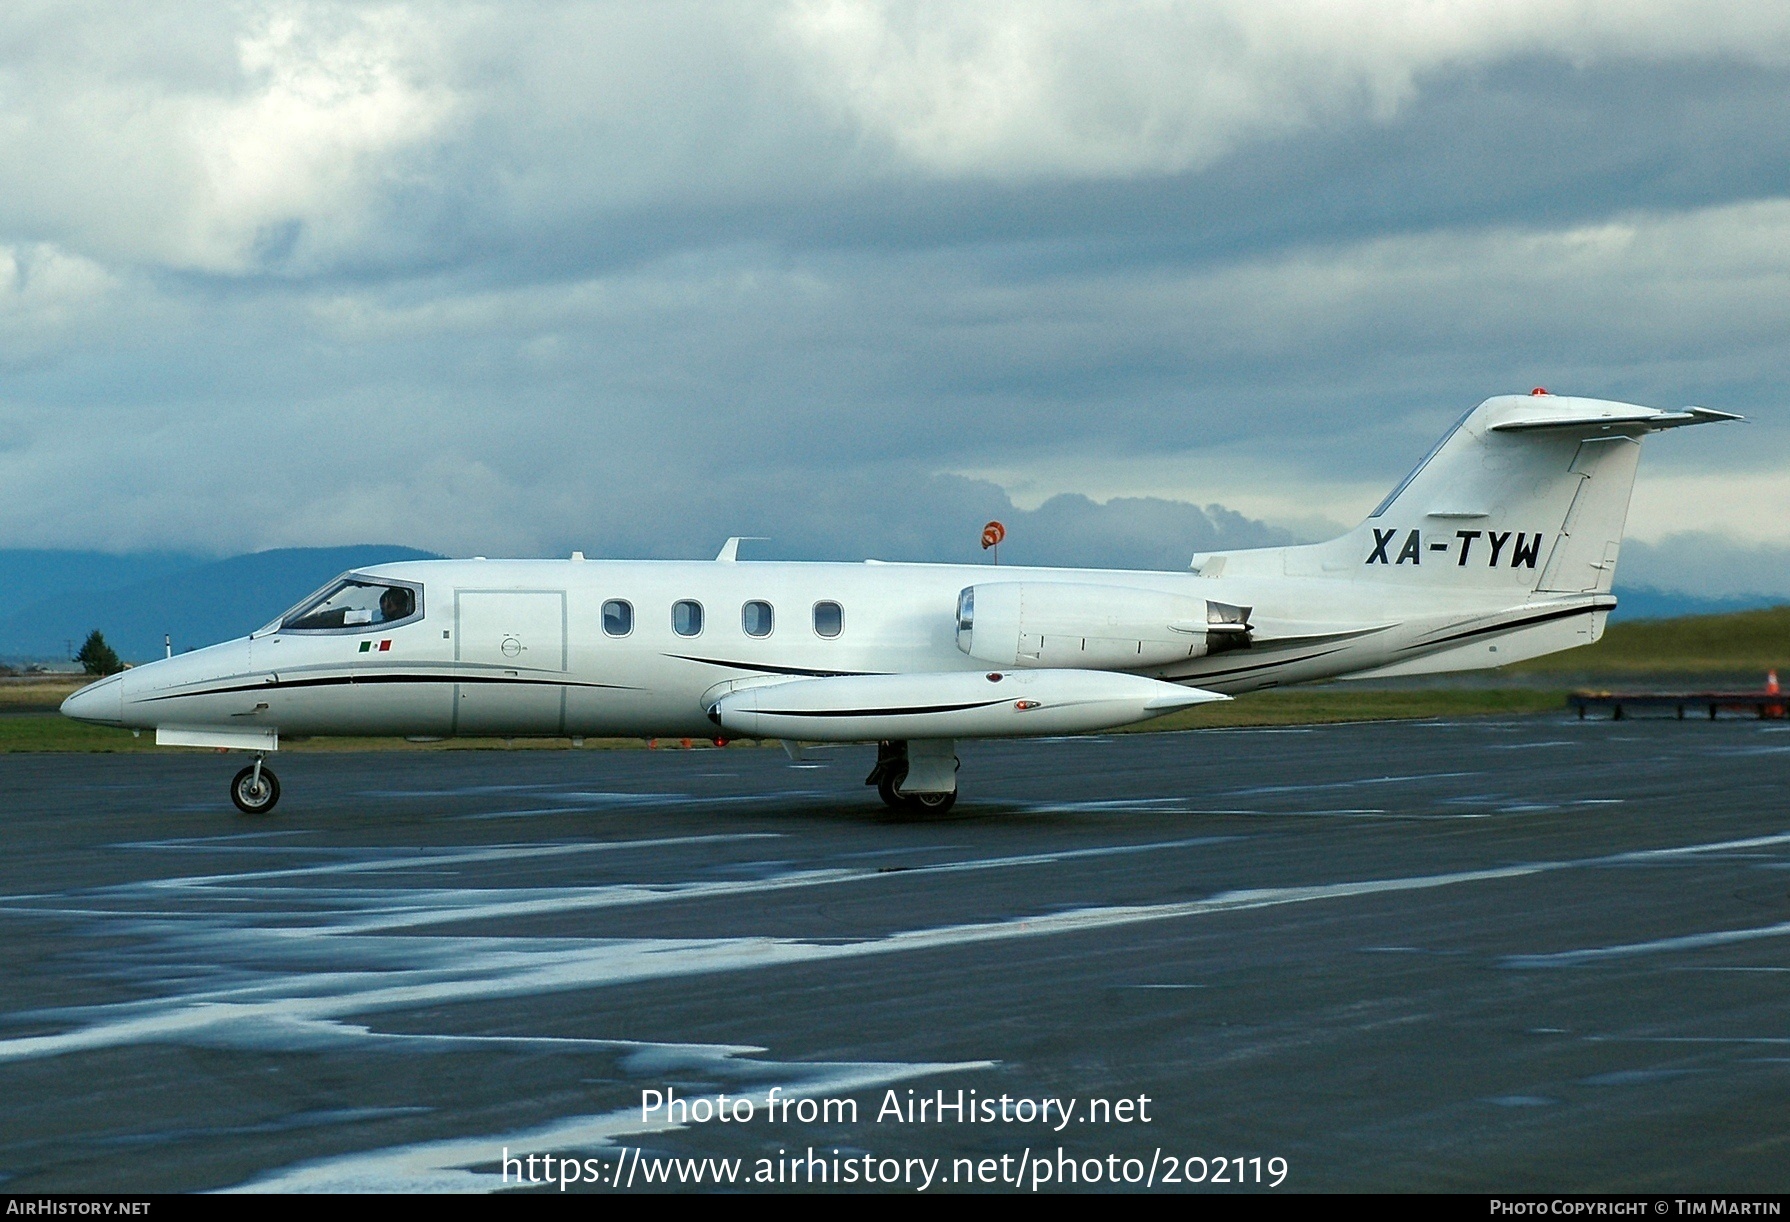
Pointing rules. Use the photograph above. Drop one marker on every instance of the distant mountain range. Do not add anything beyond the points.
(51, 600)
(1642, 602)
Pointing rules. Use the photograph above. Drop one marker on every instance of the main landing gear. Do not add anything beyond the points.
(255, 789)
(918, 777)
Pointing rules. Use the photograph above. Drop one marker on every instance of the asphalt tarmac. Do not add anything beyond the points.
(1536, 954)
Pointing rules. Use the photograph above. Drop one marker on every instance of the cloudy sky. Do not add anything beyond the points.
(1144, 278)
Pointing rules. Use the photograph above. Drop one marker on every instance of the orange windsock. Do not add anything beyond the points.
(992, 534)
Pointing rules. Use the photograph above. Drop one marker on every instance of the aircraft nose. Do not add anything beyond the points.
(101, 703)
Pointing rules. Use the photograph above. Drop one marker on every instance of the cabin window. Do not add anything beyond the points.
(355, 604)
(618, 617)
(829, 619)
(686, 617)
(755, 618)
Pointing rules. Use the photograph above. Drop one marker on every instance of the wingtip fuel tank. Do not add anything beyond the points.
(991, 704)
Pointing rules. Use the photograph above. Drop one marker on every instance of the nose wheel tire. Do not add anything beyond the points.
(255, 794)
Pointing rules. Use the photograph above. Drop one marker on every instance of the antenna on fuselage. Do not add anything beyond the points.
(730, 550)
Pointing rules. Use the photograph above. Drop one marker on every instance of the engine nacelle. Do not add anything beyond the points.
(1087, 627)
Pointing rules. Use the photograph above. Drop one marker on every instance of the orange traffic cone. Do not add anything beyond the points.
(1771, 689)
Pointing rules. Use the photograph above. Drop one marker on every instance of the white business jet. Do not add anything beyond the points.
(1501, 545)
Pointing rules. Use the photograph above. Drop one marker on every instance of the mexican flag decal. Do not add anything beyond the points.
(375, 646)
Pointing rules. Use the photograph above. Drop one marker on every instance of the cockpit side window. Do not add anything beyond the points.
(356, 604)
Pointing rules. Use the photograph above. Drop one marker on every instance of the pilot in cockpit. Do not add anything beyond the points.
(395, 604)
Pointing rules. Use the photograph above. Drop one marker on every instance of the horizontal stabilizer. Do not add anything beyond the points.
(1614, 417)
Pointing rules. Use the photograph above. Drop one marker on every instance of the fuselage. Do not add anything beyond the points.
(525, 647)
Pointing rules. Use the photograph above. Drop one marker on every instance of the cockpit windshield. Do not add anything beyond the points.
(355, 602)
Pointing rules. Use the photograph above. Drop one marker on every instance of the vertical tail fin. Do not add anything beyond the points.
(1526, 494)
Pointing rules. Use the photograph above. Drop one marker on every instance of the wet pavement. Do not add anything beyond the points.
(1534, 954)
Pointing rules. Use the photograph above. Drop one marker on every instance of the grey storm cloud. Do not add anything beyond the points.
(1710, 565)
(517, 278)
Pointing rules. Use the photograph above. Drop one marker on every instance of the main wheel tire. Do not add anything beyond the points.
(253, 799)
(886, 788)
(931, 803)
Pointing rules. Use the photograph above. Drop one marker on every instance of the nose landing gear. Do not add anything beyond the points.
(255, 789)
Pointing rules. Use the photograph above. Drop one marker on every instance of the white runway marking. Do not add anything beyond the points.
(361, 974)
(236, 843)
(368, 910)
(449, 1165)
(1255, 790)
(1695, 941)
(453, 857)
(258, 986)
(1141, 806)
(1688, 1039)
(576, 802)
(1691, 850)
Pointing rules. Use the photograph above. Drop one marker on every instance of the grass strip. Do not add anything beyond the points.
(1318, 706)
(1741, 643)
(18, 695)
